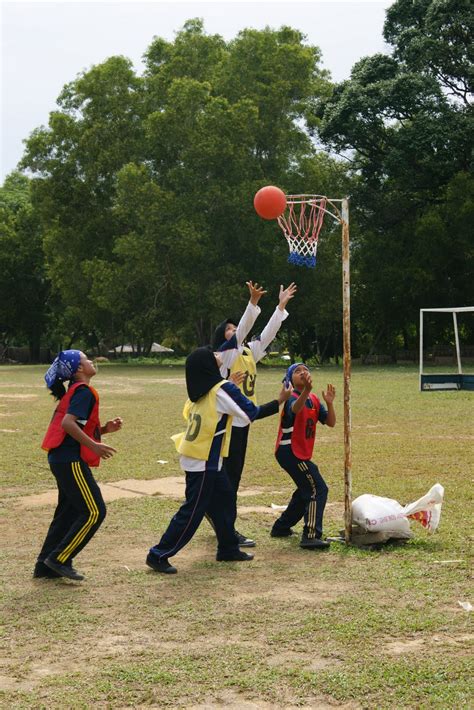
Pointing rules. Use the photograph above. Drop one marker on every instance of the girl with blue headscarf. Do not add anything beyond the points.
(74, 446)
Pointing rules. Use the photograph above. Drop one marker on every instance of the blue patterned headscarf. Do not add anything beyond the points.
(290, 371)
(63, 367)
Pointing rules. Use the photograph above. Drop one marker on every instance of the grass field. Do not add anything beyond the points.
(348, 628)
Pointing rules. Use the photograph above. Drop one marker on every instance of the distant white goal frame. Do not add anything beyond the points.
(444, 382)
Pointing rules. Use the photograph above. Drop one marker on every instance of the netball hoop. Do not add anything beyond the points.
(301, 223)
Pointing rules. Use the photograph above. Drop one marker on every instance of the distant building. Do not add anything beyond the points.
(125, 349)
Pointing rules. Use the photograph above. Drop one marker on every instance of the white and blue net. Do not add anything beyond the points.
(301, 224)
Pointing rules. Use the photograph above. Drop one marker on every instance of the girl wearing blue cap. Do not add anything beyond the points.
(294, 448)
(74, 446)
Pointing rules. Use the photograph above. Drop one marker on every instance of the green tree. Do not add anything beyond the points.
(145, 184)
(24, 287)
(96, 130)
(405, 125)
(435, 39)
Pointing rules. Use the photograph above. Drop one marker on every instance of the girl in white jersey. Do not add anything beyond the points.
(212, 403)
(243, 358)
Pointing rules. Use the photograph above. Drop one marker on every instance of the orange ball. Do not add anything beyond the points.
(269, 202)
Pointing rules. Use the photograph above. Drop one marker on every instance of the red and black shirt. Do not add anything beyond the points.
(298, 431)
(81, 401)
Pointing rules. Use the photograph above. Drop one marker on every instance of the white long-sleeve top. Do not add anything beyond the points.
(259, 347)
(233, 347)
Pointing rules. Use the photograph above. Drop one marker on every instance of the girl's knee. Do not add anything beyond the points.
(102, 512)
(323, 490)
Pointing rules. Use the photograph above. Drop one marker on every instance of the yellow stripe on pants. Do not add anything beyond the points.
(91, 506)
(311, 508)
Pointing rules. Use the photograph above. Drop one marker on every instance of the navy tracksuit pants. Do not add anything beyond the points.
(79, 513)
(207, 493)
(235, 460)
(309, 499)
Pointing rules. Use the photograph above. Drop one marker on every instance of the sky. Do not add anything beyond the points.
(45, 45)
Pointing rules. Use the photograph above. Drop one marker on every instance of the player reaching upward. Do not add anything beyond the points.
(245, 360)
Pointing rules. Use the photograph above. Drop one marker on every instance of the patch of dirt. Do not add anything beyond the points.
(50, 497)
(172, 381)
(19, 396)
(17, 386)
(366, 426)
(126, 389)
(297, 592)
(449, 437)
(404, 647)
(170, 487)
(248, 492)
(257, 509)
(334, 511)
(229, 698)
(291, 658)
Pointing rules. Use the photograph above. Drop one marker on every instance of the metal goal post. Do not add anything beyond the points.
(441, 381)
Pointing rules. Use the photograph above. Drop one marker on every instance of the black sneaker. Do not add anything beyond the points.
(41, 570)
(281, 532)
(314, 543)
(234, 557)
(64, 570)
(245, 541)
(160, 565)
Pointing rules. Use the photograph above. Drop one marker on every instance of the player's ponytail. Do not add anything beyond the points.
(58, 390)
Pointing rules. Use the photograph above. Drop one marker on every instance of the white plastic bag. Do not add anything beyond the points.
(378, 514)
(427, 509)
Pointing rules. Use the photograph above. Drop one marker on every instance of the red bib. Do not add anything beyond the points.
(55, 434)
(303, 432)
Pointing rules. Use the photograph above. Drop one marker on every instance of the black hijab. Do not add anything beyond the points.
(219, 333)
(202, 373)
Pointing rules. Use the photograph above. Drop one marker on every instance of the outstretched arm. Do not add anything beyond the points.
(251, 312)
(268, 334)
(230, 400)
(286, 294)
(299, 403)
(256, 292)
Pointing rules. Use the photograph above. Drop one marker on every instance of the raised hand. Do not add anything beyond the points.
(256, 292)
(330, 394)
(286, 294)
(308, 380)
(285, 393)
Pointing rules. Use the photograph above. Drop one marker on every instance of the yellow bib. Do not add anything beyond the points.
(246, 363)
(202, 419)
